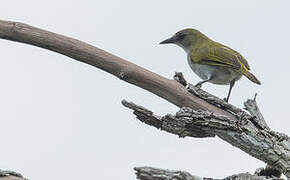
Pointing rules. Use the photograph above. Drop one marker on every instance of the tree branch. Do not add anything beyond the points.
(271, 147)
(168, 89)
(10, 175)
(252, 107)
(201, 114)
(149, 173)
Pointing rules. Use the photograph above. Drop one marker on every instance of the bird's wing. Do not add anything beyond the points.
(241, 59)
(219, 55)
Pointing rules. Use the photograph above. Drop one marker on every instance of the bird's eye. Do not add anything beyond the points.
(180, 36)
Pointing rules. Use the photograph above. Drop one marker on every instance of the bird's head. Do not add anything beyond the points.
(186, 38)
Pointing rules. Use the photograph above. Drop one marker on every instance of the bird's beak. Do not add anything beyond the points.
(169, 40)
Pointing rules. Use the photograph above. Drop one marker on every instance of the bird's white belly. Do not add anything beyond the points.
(219, 75)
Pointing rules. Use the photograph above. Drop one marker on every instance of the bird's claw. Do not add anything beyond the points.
(198, 85)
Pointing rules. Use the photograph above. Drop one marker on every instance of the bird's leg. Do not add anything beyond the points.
(232, 83)
(198, 85)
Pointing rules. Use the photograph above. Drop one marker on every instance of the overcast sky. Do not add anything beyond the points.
(62, 119)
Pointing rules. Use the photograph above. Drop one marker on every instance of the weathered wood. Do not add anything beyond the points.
(201, 114)
(246, 134)
(149, 173)
(168, 89)
(10, 175)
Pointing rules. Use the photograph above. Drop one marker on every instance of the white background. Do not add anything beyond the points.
(62, 119)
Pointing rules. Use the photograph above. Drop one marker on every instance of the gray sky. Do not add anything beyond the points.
(62, 119)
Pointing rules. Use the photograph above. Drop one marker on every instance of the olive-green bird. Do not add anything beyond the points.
(212, 61)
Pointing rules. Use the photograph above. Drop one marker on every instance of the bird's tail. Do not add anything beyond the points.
(251, 76)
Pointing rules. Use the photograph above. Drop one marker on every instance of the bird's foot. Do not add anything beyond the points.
(226, 99)
(198, 85)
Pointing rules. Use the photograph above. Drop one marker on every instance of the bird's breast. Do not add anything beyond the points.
(218, 74)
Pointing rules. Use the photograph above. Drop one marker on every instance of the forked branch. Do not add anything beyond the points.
(249, 133)
(201, 114)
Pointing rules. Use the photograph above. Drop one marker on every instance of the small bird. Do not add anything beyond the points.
(212, 61)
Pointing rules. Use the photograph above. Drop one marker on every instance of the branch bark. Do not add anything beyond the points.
(149, 173)
(167, 89)
(201, 114)
(249, 133)
(10, 175)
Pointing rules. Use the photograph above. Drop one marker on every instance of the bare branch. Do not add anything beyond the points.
(268, 171)
(150, 173)
(204, 116)
(167, 123)
(252, 107)
(168, 89)
(262, 144)
(213, 99)
(10, 175)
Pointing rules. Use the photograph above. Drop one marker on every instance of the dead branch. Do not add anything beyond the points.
(201, 114)
(10, 175)
(149, 173)
(249, 133)
(168, 89)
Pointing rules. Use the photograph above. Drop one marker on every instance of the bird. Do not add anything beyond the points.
(210, 60)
